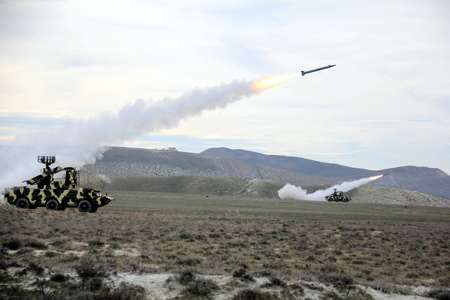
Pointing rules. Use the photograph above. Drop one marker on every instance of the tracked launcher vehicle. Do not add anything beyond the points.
(44, 190)
(337, 196)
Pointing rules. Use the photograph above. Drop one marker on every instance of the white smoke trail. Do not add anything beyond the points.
(290, 191)
(104, 178)
(80, 141)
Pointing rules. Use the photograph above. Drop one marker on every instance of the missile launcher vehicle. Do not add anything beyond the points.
(337, 196)
(56, 194)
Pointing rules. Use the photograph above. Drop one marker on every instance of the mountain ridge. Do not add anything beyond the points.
(226, 162)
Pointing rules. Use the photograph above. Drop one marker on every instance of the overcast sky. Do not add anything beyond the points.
(386, 104)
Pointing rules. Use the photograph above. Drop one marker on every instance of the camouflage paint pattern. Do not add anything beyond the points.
(43, 188)
(65, 197)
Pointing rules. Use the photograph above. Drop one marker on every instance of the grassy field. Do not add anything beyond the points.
(163, 232)
(191, 204)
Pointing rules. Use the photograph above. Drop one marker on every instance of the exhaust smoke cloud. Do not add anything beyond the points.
(290, 191)
(80, 141)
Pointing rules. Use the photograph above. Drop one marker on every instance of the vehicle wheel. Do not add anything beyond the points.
(85, 206)
(52, 204)
(94, 209)
(22, 203)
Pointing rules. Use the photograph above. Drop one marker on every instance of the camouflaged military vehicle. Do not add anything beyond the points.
(338, 196)
(56, 194)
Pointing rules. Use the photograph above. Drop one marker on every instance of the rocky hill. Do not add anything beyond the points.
(395, 196)
(224, 162)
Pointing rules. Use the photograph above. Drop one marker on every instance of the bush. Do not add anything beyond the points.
(340, 281)
(243, 275)
(189, 261)
(202, 287)
(254, 295)
(51, 254)
(58, 277)
(185, 277)
(36, 244)
(127, 291)
(275, 282)
(23, 251)
(239, 273)
(14, 292)
(331, 296)
(36, 269)
(13, 244)
(185, 236)
(88, 268)
(94, 283)
(96, 243)
(439, 294)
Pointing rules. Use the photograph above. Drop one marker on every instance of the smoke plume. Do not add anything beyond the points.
(290, 191)
(80, 141)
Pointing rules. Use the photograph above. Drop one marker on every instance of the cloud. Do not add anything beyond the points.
(79, 59)
(29, 119)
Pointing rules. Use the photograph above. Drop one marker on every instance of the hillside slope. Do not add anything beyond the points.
(421, 179)
(290, 164)
(237, 187)
(224, 162)
(395, 196)
(122, 161)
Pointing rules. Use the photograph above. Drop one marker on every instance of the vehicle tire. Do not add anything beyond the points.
(85, 206)
(52, 204)
(94, 209)
(22, 203)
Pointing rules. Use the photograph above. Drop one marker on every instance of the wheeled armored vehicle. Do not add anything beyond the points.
(338, 196)
(56, 194)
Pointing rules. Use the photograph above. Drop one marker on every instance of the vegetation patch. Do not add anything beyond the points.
(88, 268)
(13, 244)
(439, 294)
(248, 294)
(201, 287)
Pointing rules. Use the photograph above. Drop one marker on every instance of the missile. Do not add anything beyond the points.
(318, 69)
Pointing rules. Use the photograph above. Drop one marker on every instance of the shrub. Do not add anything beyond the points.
(17, 292)
(275, 281)
(185, 236)
(94, 283)
(58, 277)
(189, 261)
(439, 294)
(331, 296)
(254, 295)
(202, 287)
(36, 269)
(36, 244)
(127, 291)
(340, 281)
(185, 277)
(51, 254)
(243, 275)
(96, 243)
(88, 268)
(22, 251)
(239, 273)
(13, 244)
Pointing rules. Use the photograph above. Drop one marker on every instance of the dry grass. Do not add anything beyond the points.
(412, 249)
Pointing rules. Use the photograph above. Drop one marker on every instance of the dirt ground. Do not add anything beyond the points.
(165, 233)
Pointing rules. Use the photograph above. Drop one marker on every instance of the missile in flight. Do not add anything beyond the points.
(318, 69)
